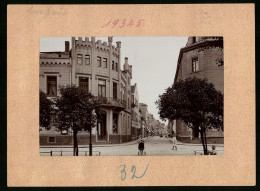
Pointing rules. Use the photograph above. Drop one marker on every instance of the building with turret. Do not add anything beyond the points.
(201, 64)
(96, 67)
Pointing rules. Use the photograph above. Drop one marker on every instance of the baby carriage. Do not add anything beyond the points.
(141, 148)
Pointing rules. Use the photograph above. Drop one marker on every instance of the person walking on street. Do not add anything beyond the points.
(174, 142)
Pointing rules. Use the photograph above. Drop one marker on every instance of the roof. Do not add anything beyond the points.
(191, 47)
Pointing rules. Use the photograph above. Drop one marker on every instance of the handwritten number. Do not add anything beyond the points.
(139, 23)
(107, 24)
(133, 169)
(123, 23)
(123, 173)
(115, 22)
(131, 23)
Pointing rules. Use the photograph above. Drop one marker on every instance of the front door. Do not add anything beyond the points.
(102, 130)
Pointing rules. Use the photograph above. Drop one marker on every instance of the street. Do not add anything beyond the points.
(154, 146)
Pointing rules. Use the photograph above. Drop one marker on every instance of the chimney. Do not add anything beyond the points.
(118, 44)
(93, 39)
(110, 40)
(126, 60)
(67, 47)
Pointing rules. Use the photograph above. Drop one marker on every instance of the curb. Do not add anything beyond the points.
(86, 146)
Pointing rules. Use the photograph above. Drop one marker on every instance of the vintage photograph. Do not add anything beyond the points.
(131, 96)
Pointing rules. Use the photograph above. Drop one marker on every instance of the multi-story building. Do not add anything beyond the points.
(144, 114)
(96, 67)
(202, 64)
(136, 127)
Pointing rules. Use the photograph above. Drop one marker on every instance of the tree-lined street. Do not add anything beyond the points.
(153, 146)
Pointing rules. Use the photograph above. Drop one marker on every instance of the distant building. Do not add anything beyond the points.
(136, 116)
(144, 114)
(96, 67)
(202, 64)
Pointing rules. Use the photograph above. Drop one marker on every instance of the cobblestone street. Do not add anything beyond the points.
(156, 145)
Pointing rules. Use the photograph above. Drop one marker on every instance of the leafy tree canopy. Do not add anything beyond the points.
(45, 110)
(194, 101)
(76, 108)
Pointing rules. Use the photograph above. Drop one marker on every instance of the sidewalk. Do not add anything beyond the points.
(93, 145)
(198, 144)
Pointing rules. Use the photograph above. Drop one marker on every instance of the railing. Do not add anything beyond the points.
(112, 101)
(69, 153)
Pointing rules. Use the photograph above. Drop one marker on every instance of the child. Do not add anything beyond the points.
(213, 152)
(174, 141)
(140, 146)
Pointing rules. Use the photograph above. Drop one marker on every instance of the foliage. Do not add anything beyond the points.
(45, 110)
(77, 110)
(217, 43)
(194, 101)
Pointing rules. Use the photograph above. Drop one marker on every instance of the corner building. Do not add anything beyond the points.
(96, 67)
(200, 64)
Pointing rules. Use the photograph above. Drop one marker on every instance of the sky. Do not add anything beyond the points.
(154, 61)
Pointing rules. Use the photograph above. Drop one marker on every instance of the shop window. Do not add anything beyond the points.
(52, 85)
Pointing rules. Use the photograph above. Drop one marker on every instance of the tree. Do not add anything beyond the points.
(77, 110)
(196, 102)
(45, 110)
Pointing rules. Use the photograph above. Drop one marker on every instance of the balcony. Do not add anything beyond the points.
(111, 102)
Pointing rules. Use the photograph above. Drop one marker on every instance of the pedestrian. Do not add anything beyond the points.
(174, 142)
(141, 146)
(213, 152)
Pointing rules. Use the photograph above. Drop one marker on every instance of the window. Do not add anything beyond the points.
(99, 61)
(101, 88)
(83, 83)
(87, 59)
(115, 122)
(105, 62)
(113, 65)
(51, 139)
(79, 59)
(123, 94)
(116, 66)
(195, 64)
(52, 85)
(114, 90)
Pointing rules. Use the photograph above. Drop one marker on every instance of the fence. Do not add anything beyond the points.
(69, 153)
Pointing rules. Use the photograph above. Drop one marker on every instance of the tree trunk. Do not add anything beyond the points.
(206, 144)
(75, 140)
(203, 142)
